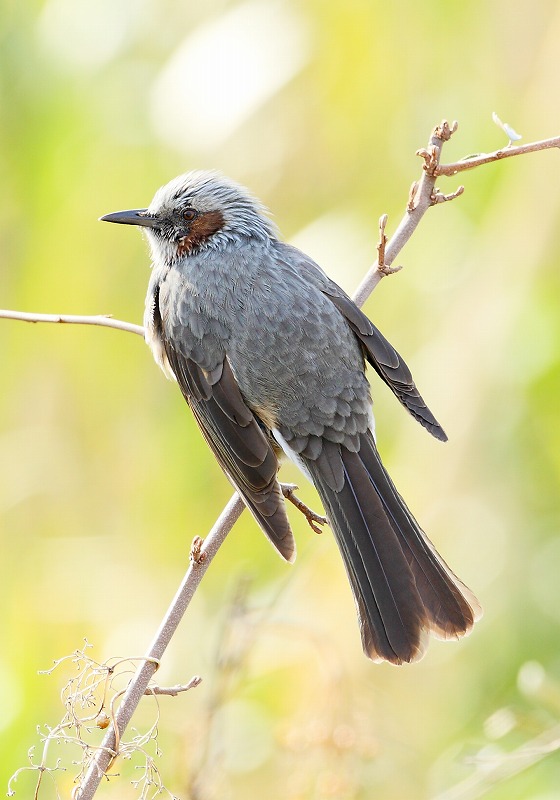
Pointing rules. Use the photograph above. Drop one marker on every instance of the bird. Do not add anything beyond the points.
(270, 355)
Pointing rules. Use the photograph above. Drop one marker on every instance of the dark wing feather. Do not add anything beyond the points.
(380, 353)
(238, 442)
(388, 364)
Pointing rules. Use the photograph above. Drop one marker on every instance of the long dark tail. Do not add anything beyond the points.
(402, 587)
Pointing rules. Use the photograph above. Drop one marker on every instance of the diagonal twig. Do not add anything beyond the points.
(420, 200)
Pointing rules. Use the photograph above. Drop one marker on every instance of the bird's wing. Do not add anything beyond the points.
(238, 442)
(388, 364)
(380, 353)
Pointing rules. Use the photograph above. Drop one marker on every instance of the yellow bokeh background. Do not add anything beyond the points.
(319, 108)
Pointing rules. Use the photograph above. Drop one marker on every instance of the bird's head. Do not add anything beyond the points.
(195, 211)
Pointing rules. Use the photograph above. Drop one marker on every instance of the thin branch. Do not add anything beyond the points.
(104, 320)
(421, 198)
(487, 158)
(139, 683)
(440, 197)
(173, 691)
(382, 265)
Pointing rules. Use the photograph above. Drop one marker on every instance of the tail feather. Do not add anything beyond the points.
(451, 607)
(388, 604)
(402, 587)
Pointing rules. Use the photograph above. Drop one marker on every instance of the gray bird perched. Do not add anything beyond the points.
(270, 355)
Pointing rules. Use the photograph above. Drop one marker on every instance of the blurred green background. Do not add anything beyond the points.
(104, 480)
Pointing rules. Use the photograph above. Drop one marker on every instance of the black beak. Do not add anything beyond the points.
(137, 216)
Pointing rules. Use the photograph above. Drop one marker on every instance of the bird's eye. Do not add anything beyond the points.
(189, 214)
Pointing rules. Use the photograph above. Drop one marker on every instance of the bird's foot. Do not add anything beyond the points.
(314, 519)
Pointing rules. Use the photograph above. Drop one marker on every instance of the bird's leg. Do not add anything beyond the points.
(312, 518)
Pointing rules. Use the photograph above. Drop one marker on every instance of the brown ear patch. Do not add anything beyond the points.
(201, 229)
